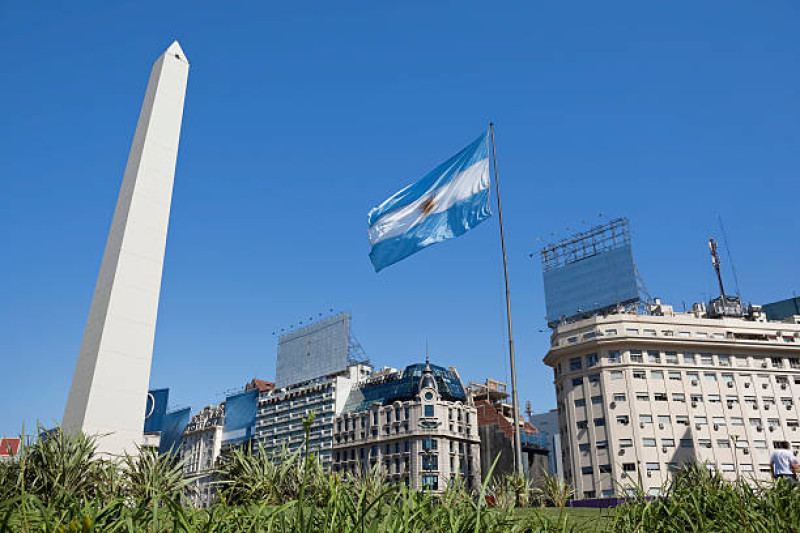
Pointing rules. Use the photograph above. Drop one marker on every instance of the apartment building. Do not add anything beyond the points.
(645, 393)
(419, 426)
(279, 419)
(201, 445)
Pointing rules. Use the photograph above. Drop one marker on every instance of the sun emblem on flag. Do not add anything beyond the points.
(427, 205)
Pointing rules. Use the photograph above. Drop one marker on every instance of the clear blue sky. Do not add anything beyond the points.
(300, 117)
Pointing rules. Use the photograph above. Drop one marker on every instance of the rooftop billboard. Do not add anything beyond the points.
(313, 351)
(589, 272)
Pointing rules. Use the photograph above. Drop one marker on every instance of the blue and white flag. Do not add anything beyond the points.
(447, 202)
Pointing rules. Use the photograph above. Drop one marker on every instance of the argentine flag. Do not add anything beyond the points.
(447, 202)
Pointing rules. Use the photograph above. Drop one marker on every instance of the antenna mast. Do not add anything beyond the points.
(712, 244)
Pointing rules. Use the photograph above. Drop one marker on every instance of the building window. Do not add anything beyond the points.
(671, 358)
(642, 396)
(687, 443)
(645, 419)
(575, 364)
(591, 360)
(428, 410)
(577, 382)
(664, 420)
(679, 397)
(599, 422)
(580, 402)
(657, 374)
(430, 462)
(428, 444)
(586, 470)
(639, 374)
(582, 424)
(625, 443)
(710, 376)
(629, 467)
(660, 396)
(614, 356)
(653, 356)
(667, 443)
(652, 467)
(619, 397)
(430, 482)
(597, 400)
(594, 379)
(649, 443)
(636, 356)
(623, 419)
(605, 469)
(617, 374)
(706, 359)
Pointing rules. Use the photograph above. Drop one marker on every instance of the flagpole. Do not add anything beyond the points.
(514, 398)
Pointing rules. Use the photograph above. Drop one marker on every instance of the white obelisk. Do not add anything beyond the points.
(109, 388)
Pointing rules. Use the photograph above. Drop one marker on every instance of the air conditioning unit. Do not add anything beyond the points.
(694, 382)
(613, 405)
(660, 426)
(763, 364)
(730, 384)
(789, 407)
(649, 474)
(746, 451)
(716, 427)
(694, 404)
(772, 428)
(730, 405)
(747, 385)
(764, 385)
(784, 385)
(759, 428)
(766, 406)
(641, 425)
(697, 426)
(708, 445)
(664, 449)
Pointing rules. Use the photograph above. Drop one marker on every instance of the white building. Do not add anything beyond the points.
(647, 393)
(419, 426)
(201, 446)
(279, 420)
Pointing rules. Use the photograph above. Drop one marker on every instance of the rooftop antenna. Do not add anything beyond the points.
(712, 245)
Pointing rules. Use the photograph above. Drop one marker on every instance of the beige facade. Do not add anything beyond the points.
(643, 394)
(425, 441)
(201, 445)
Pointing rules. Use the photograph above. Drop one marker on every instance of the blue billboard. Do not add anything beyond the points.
(175, 423)
(590, 272)
(155, 410)
(240, 416)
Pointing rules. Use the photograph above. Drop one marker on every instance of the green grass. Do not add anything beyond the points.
(579, 519)
(59, 485)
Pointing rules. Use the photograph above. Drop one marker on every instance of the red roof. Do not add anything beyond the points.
(9, 446)
(260, 384)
